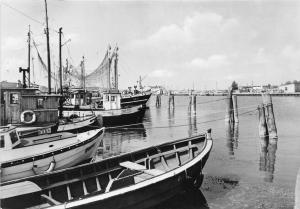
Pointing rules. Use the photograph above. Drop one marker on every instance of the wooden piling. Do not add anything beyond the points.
(171, 100)
(269, 115)
(158, 100)
(262, 127)
(228, 113)
(194, 103)
(235, 109)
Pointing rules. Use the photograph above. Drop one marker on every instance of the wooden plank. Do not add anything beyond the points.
(50, 200)
(17, 189)
(138, 167)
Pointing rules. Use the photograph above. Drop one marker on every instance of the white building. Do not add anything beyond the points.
(290, 88)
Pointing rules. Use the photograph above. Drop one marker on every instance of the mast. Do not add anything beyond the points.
(116, 69)
(61, 100)
(48, 50)
(60, 64)
(109, 66)
(29, 55)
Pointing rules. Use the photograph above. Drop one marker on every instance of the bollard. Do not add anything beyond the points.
(262, 127)
(269, 115)
(235, 109)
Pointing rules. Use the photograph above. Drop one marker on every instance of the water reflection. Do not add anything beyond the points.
(171, 115)
(192, 124)
(115, 138)
(267, 157)
(191, 198)
(232, 135)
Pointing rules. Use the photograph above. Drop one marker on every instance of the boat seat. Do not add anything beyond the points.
(50, 200)
(138, 167)
(21, 188)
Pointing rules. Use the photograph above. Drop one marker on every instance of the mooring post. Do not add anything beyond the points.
(264, 141)
(194, 102)
(262, 126)
(158, 100)
(235, 109)
(229, 137)
(171, 99)
(228, 100)
(269, 115)
(190, 102)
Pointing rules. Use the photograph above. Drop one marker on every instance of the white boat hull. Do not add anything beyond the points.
(77, 124)
(69, 156)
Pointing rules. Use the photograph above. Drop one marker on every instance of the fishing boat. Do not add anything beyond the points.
(138, 179)
(45, 153)
(104, 78)
(112, 114)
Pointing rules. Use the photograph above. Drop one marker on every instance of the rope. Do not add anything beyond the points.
(170, 126)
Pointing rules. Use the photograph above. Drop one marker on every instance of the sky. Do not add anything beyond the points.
(177, 44)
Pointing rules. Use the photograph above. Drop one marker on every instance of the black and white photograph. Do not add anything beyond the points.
(160, 104)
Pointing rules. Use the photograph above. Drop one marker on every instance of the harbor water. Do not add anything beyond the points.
(243, 170)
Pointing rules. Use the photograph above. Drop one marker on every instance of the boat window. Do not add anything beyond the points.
(40, 103)
(14, 98)
(107, 98)
(2, 142)
(13, 137)
(113, 98)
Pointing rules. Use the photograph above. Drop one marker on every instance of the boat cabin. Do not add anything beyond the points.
(80, 97)
(112, 100)
(8, 138)
(28, 106)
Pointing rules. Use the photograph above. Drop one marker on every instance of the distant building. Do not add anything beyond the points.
(290, 88)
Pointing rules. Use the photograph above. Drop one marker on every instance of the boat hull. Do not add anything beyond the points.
(135, 100)
(79, 126)
(116, 117)
(61, 158)
(151, 195)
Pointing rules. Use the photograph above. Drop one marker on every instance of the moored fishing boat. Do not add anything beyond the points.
(138, 179)
(45, 153)
(112, 114)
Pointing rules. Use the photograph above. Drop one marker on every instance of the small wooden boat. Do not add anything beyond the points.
(73, 124)
(45, 153)
(138, 179)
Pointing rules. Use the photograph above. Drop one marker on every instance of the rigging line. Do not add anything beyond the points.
(181, 125)
(26, 15)
(22, 13)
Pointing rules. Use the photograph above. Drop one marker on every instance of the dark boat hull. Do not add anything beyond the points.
(135, 100)
(115, 117)
(151, 195)
(124, 119)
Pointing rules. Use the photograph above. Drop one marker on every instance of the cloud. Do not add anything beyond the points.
(212, 62)
(161, 73)
(198, 27)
